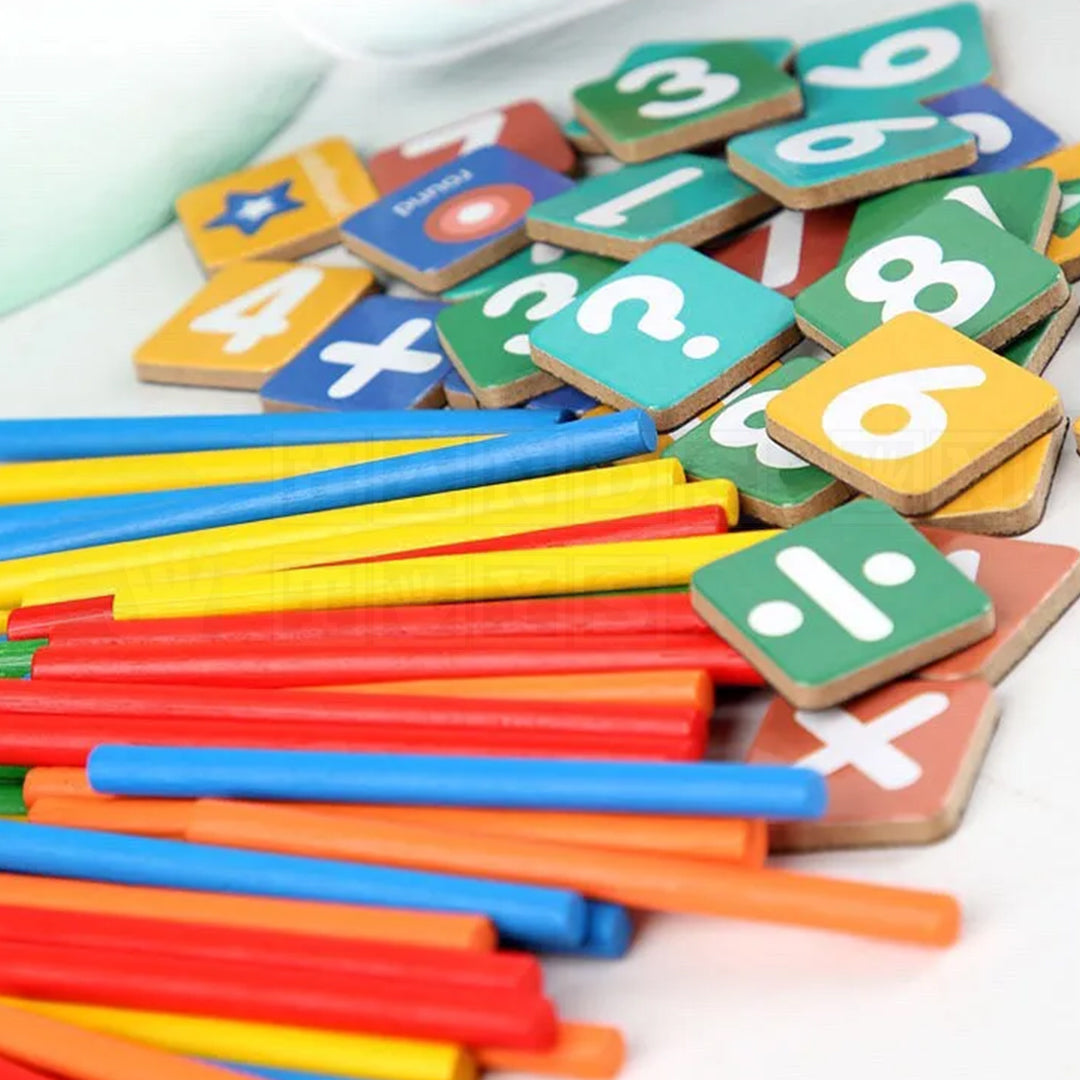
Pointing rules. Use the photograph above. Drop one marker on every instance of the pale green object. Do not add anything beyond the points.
(112, 109)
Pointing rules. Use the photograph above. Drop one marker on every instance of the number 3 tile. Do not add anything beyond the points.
(913, 413)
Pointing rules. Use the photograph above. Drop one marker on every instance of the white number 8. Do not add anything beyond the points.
(972, 282)
(877, 67)
(683, 73)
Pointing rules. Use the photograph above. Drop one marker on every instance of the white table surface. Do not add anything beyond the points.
(701, 999)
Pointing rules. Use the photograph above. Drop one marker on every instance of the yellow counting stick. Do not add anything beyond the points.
(196, 548)
(638, 564)
(273, 1046)
(38, 481)
(368, 543)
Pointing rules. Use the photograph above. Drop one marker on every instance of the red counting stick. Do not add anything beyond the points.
(569, 616)
(12, 1070)
(405, 965)
(271, 994)
(343, 662)
(45, 620)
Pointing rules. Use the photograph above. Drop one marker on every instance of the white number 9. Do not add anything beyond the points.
(878, 68)
(857, 138)
(683, 73)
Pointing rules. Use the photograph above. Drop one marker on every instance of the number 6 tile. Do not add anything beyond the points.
(913, 413)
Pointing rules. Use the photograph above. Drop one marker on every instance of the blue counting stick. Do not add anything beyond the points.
(54, 440)
(541, 917)
(543, 452)
(726, 790)
(608, 936)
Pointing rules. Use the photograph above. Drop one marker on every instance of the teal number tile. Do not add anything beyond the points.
(841, 603)
(487, 337)
(917, 57)
(672, 102)
(670, 333)
(682, 197)
(1023, 201)
(775, 485)
(528, 261)
(847, 146)
(778, 51)
(947, 261)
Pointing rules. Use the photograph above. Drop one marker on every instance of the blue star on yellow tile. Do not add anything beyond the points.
(250, 210)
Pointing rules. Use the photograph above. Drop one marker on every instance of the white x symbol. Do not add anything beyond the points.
(868, 747)
(394, 353)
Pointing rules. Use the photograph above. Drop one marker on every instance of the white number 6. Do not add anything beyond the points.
(857, 138)
(683, 73)
(878, 67)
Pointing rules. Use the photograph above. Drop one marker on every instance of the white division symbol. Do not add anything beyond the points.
(394, 353)
(869, 747)
(833, 593)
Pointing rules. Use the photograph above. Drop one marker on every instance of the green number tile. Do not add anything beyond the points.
(947, 261)
(775, 485)
(1068, 221)
(1035, 349)
(1022, 201)
(534, 257)
(487, 337)
(670, 333)
(914, 58)
(778, 51)
(844, 146)
(841, 603)
(683, 197)
(671, 102)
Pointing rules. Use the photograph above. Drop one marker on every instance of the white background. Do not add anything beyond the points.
(700, 999)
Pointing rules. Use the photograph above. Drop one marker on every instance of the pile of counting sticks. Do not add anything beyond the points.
(323, 727)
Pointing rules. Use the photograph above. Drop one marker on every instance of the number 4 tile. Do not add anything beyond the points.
(913, 413)
(247, 322)
(693, 328)
(841, 604)
(707, 93)
(949, 262)
(383, 353)
(684, 198)
(899, 763)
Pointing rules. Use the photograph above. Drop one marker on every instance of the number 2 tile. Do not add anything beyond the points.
(684, 198)
(706, 93)
(913, 413)
(383, 353)
(836, 154)
(670, 333)
(948, 261)
(248, 321)
(899, 763)
(487, 338)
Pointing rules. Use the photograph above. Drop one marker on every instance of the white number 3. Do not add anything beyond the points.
(972, 282)
(683, 73)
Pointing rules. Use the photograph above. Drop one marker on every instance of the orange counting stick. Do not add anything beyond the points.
(584, 1051)
(677, 689)
(390, 925)
(77, 1053)
(651, 882)
(725, 839)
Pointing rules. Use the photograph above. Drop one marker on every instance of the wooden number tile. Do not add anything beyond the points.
(841, 604)
(1007, 136)
(916, 57)
(948, 262)
(281, 209)
(775, 485)
(248, 321)
(913, 413)
(1064, 247)
(526, 261)
(1031, 586)
(685, 198)
(1036, 348)
(457, 391)
(791, 250)
(833, 155)
(707, 92)
(899, 763)
(524, 126)
(454, 221)
(694, 328)
(383, 353)
(487, 338)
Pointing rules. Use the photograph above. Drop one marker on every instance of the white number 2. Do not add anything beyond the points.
(878, 68)
(261, 312)
(555, 289)
(855, 139)
(971, 281)
(682, 73)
